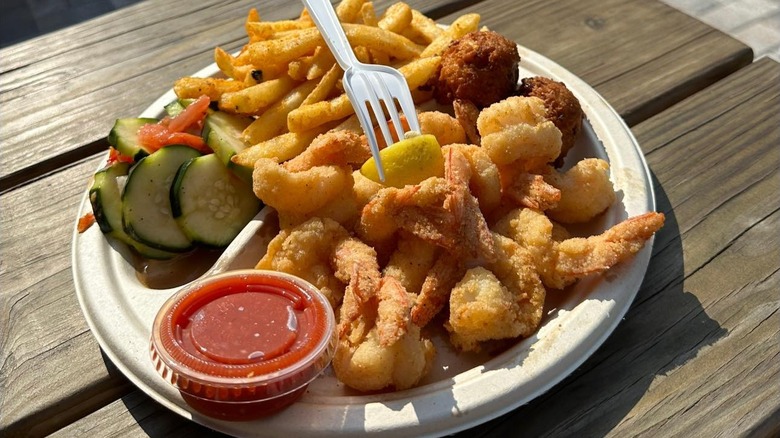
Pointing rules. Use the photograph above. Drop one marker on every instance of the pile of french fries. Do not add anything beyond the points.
(287, 79)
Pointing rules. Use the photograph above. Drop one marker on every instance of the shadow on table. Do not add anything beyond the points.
(665, 327)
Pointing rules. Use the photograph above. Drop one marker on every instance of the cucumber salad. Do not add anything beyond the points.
(169, 185)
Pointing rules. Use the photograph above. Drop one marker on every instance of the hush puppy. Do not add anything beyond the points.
(480, 67)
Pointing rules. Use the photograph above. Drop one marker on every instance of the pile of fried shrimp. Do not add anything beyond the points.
(474, 250)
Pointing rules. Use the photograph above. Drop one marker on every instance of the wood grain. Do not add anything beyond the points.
(698, 348)
(641, 56)
(48, 353)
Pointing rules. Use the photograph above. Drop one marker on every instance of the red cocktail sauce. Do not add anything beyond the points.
(243, 344)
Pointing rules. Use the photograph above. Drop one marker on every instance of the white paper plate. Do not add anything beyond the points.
(462, 391)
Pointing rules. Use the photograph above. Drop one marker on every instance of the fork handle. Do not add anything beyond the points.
(328, 23)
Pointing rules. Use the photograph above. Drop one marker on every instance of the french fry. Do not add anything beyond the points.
(305, 17)
(376, 38)
(368, 14)
(461, 26)
(226, 64)
(348, 11)
(282, 147)
(304, 42)
(425, 27)
(362, 54)
(325, 86)
(214, 88)
(252, 100)
(265, 30)
(351, 123)
(378, 57)
(273, 121)
(311, 67)
(321, 63)
(310, 116)
(297, 69)
(281, 51)
(252, 17)
(397, 17)
(417, 73)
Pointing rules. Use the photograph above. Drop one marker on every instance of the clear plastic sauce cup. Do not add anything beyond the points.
(243, 344)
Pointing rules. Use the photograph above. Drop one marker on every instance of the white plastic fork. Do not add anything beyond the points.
(368, 86)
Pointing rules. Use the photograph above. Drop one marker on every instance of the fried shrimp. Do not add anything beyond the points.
(532, 230)
(559, 260)
(501, 300)
(563, 109)
(435, 290)
(485, 180)
(380, 348)
(585, 191)
(441, 211)
(411, 261)
(533, 191)
(517, 129)
(338, 148)
(466, 113)
(579, 257)
(305, 251)
(298, 192)
(444, 127)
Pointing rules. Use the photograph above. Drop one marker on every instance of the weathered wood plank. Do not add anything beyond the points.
(135, 415)
(48, 354)
(62, 92)
(641, 56)
(697, 349)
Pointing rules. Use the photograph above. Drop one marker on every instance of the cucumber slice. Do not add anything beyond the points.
(146, 205)
(211, 204)
(177, 106)
(124, 137)
(222, 132)
(105, 197)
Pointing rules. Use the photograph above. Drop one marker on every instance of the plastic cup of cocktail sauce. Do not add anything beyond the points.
(243, 344)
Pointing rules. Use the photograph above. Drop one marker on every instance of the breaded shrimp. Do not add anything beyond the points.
(440, 211)
(444, 127)
(338, 148)
(344, 209)
(533, 231)
(466, 113)
(562, 106)
(305, 251)
(298, 192)
(485, 180)
(380, 348)
(586, 191)
(435, 291)
(579, 257)
(502, 300)
(562, 262)
(516, 129)
(411, 261)
(532, 191)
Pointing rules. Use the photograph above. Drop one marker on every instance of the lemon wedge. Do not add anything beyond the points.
(408, 161)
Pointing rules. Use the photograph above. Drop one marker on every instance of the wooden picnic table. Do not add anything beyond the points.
(697, 353)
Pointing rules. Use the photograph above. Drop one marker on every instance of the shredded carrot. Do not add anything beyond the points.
(85, 222)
